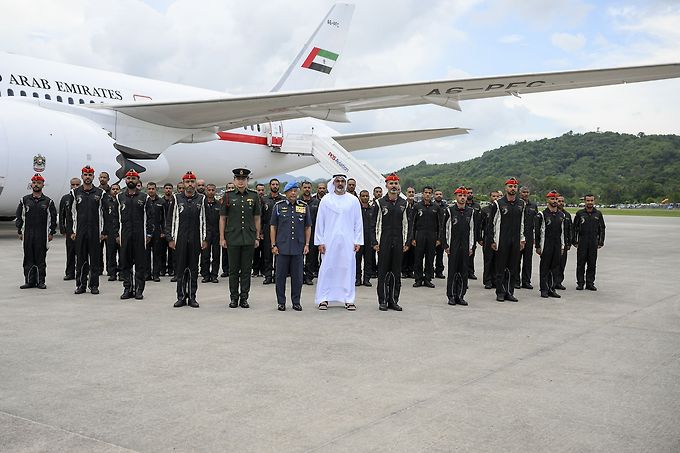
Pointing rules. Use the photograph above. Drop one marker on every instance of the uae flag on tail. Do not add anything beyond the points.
(320, 60)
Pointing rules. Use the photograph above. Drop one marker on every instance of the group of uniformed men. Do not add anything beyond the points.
(171, 234)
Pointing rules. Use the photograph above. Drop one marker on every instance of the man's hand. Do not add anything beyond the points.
(257, 243)
(305, 250)
(162, 235)
(413, 242)
(356, 247)
(171, 244)
(148, 239)
(538, 251)
(223, 243)
(376, 248)
(522, 244)
(102, 237)
(118, 240)
(448, 251)
(437, 243)
(73, 236)
(322, 248)
(481, 243)
(275, 250)
(470, 252)
(494, 246)
(204, 245)
(50, 237)
(600, 246)
(21, 237)
(405, 248)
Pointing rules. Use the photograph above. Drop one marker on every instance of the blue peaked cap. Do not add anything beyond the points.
(291, 185)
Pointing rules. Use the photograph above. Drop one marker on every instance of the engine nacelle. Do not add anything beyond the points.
(34, 139)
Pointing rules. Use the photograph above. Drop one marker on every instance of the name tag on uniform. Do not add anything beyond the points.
(300, 209)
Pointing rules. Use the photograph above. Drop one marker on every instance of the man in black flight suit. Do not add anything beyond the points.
(210, 256)
(549, 240)
(64, 213)
(428, 221)
(459, 240)
(588, 239)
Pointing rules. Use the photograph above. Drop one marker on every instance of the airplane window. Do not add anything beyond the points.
(10, 92)
(91, 101)
(22, 93)
(35, 95)
(70, 100)
(81, 101)
(48, 97)
(58, 98)
(258, 128)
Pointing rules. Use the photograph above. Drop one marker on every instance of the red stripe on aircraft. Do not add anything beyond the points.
(312, 55)
(242, 138)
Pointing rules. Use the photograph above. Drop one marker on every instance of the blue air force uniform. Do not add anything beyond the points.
(291, 221)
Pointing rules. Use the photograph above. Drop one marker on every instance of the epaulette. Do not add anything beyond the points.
(280, 201)
(303, 202)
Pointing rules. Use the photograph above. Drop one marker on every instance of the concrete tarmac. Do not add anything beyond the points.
(592, 371)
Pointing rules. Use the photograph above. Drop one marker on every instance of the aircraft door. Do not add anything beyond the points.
(275, 134)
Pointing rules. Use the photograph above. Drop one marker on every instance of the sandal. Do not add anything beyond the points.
(323, 305)
(350, 307)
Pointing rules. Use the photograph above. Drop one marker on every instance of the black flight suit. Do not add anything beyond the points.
(506, 228)
(104, 243)
(391, 230)
(110, 208)
(210, 257)
(312, 258)
(64, 213)
(240, 231)
(268, 258)
(549, 236)
(488, 277)
(408, 260)
(154, 249)
(291, 220)
(167, 254)
(525, 256)
(366, 252)
(87, 222)
(439, 250)
(477, 209)
(428, 221)
(459, 238)
(133, 229)
(36, 218)
(588, 229)
(185, 225)
(568, 234)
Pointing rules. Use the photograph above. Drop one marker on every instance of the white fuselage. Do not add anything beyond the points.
(43, 114)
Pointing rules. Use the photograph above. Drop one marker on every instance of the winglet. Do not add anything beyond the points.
(314, 67)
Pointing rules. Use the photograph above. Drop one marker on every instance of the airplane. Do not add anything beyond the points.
(55, 118)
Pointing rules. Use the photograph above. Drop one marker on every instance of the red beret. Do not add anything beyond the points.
(189, 175)
(511, 181)
(37, 177)
(392, 177)
(88, 169)
(461, 189)
(132, 173)
(551, 194)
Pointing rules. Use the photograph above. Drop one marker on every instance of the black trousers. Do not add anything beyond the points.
(312, 262)
(365, 255)
(489, 261)
(586, 255)
(389, 271)
(525, 257)
(408, 261)
(35, 252)
(285, 265)
(112, 250)
(549, 267)
(267, 255)
(186, 258)
(154, 255)
(210, 259)
(507, 267)
(70, 270)
(471, 261)
(457, 275)
(240, 267)
(167, 259)
(225, 260)
(133, 253)
(88, 257)
(439, 260)
(257, 259)
(425, 249)
(563, 265)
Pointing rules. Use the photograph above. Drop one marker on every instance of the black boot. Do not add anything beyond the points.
(368, 283)
(126, 294)
(244, 303)
(233, 303)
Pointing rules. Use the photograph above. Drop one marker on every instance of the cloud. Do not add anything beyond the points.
(511, 39)
(568, 42)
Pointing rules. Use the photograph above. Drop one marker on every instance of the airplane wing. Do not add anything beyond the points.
(333, 104)
(368, 140)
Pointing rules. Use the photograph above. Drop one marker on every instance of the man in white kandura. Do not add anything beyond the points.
(339, 234)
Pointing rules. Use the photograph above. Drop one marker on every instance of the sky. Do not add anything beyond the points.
(239, 48)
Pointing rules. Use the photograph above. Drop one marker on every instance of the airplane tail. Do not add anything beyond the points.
(314, 67)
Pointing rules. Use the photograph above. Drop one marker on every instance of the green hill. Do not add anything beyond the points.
(617, 168)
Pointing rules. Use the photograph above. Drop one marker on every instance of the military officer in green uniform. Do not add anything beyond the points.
(239, 233)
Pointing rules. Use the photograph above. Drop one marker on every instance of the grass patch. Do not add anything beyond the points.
(636, 212)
